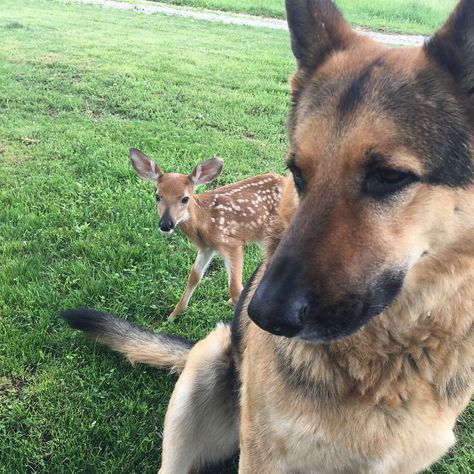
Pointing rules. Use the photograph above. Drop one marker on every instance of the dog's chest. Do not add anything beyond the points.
(324, 443)
(304, 446)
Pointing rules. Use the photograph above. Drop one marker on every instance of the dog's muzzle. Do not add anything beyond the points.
(274, 311)
(286, 303)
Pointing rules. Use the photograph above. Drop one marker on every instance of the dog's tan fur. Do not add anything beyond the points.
(384, 400)
(201, 424)
(383, 397)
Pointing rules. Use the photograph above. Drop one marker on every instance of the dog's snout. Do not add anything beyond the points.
(277, 310)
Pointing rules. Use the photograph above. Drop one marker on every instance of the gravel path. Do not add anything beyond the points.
(241, 19)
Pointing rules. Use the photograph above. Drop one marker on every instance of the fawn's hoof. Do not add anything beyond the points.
(176, 313)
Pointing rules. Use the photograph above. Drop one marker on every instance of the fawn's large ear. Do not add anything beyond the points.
(144, 166)
(317, 29)
(207, 171)
(453, 46)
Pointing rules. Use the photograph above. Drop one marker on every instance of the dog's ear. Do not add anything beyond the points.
(453, 46)
(317, 29)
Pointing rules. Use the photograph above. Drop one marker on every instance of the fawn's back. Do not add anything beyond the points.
(240, 210)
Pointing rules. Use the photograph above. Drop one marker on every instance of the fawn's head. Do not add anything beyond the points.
(381, 150)
(174, 190)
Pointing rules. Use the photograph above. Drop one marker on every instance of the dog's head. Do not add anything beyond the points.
(381, 151)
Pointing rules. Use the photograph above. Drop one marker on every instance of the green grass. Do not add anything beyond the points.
(79, 86)
(401, 16)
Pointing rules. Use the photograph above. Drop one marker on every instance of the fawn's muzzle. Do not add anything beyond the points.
(166, 225)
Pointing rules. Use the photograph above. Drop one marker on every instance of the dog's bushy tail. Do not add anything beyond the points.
(138, 345)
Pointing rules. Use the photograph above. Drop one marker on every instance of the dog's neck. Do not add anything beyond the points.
(426, 332)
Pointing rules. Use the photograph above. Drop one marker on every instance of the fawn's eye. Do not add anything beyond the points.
(185, 200)
(158, 199)
(381, 183)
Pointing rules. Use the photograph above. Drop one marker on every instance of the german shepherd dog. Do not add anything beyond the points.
(352, 347)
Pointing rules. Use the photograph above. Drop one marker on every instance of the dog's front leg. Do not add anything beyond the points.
(201, 423)
(256, 456)
(254, 459)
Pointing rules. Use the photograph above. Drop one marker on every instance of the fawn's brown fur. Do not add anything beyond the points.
(219, 221)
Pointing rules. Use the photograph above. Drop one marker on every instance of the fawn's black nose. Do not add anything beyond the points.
(166, 225)
(278, 306)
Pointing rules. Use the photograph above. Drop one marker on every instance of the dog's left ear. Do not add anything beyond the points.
(317, 29)
(453, 46)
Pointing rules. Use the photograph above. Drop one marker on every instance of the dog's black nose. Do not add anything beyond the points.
(166, 226)
(278, 309)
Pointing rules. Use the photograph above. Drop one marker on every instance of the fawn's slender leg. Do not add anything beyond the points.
(203, 259)
(233, 259)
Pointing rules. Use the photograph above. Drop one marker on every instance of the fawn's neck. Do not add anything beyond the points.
(193, 225)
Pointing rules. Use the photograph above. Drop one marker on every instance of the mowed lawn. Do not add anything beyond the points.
(80, 85)
(404, 16)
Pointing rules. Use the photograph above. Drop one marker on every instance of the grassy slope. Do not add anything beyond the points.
(77, 227)
(404, 16)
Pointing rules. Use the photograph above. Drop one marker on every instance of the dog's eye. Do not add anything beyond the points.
(185, 200)
(298, 179)
(158, 199)
(383, 182)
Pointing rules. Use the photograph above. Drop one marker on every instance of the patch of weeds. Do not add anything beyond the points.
(14, 25)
